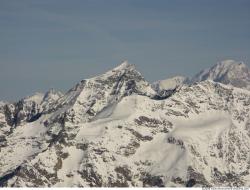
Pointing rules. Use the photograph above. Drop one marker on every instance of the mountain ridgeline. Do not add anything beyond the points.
(118, 130)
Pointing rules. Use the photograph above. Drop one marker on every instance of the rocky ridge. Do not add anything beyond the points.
(117, 130)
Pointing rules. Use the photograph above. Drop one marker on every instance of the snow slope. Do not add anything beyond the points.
(113, 130)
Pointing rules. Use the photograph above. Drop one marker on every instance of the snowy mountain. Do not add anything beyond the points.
(117, 130)
(227, 72)
(25, 110)
(165, 88)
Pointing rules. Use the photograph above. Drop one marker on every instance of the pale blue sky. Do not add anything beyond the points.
(56, 43)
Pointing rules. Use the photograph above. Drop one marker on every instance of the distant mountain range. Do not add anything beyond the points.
(118, 130)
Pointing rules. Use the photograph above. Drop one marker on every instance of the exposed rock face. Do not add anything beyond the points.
(112, 131)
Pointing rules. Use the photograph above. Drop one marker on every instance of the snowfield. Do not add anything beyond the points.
(117, 130)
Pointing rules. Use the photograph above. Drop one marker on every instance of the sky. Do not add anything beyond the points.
(56, 43)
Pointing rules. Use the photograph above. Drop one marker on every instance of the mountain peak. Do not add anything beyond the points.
(36, 97)
(229, 64)
(114, 130)
(52, 94)
(124, 66)
(227, 72)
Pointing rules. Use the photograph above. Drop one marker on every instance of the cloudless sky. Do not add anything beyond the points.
(56, 43)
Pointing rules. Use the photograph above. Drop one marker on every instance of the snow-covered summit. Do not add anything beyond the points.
(52, 93)
(123, 70)
(124, 65)
(167, 87)
(37, 97)
(111, 131)
(170, 83)
(92, 95)
(227, 72)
